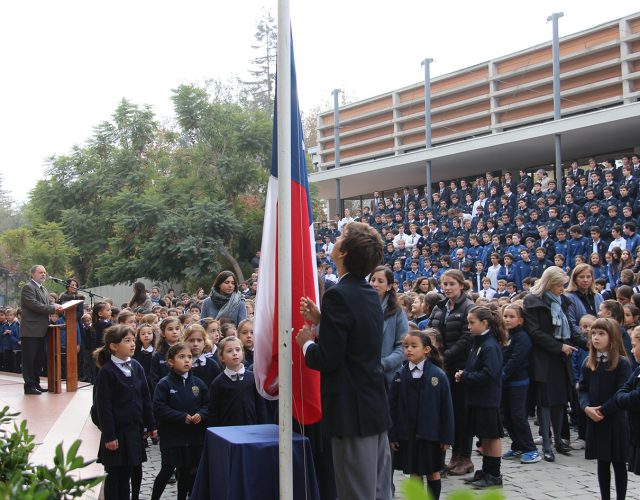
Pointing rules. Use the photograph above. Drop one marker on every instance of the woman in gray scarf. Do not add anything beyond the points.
(553, 343)
(225, 300)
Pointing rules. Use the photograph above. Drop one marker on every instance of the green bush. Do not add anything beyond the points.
(415, 490)
(19, 480)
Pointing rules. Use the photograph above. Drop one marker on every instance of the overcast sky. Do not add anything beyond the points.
(67, 64)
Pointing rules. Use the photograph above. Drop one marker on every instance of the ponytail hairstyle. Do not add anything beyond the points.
(97, 307)
(112, 335)
(494, 319)
(427, 339)
(615, 310)
(515, 307)
(616, 347)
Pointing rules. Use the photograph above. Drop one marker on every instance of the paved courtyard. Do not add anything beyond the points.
(568, 477)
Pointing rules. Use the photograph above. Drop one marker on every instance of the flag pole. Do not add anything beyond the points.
(284, 250)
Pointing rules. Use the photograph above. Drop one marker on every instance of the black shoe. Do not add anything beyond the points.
(31, 390)
(477, 476)
(488, 481)
(39, 387)
(563, 449)
(549, 456)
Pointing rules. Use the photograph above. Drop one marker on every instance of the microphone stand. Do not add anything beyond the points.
(90, 294)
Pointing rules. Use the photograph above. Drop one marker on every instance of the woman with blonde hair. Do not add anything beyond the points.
(554, 341)
(581, 291)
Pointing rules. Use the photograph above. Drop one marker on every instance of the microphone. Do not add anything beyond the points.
(58, 280)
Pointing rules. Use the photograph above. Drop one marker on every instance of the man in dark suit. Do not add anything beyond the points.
(348, 355)
(36, 308)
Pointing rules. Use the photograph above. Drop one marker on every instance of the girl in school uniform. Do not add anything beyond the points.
(482, 381)
(628, 398)
(212, 327)
(245, 334)
(421, 412)
(515, 381)
(100, 320)
(233, 398)
(180, 405)
(123, 407)
(206, 368)
(145, 340)
(604, 372)
(170, 334)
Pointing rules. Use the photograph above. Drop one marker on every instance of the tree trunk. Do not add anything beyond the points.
(233, 262)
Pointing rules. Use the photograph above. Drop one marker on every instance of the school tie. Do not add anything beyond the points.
(126, 365)
(196, 363)
(603, 358)
(237, 376)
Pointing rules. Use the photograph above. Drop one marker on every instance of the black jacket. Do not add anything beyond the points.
(176, 397)
(456, 338)
(434, 407)
(515, 369)
(207, 372)
(348, 354)
(482, 374)
(628, 398)
(159, 366)
(236, 402)
(546, 348)
(122, 403)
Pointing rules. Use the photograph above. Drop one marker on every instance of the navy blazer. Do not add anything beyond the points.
(435, 411)
(628, 398)
(174, 398)
(348, 354)
(482, 374)
(515, 368)
(122, 403)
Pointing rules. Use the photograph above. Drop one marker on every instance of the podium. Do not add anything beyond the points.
(54, 354)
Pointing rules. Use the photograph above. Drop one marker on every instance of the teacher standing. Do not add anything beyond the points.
(225, 300)
(554, 341)
(36, 308)
(347, 354)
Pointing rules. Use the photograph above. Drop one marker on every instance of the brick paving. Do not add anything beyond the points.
(568, 477)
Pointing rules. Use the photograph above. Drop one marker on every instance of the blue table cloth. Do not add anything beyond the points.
(241, 463)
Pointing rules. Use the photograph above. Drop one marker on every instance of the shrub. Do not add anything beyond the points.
(20, 480)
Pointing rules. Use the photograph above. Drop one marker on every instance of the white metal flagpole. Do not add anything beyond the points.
(284, 249)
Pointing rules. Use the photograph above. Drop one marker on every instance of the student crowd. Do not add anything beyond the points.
(483, 328)
(507, 229)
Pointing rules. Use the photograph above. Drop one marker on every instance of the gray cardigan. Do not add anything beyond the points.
(395, 328)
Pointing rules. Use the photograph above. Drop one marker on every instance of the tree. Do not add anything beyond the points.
(9, 215)
(139, 199)
(44, 244)
(262, 88)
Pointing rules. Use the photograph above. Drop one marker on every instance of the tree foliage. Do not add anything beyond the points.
(142, 199)
(262, 87)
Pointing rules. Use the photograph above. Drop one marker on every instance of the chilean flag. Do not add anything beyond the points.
(306, 407)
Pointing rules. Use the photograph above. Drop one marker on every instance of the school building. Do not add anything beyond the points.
(494, 116)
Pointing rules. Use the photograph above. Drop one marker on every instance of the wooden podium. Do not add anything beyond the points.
(54, 356)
